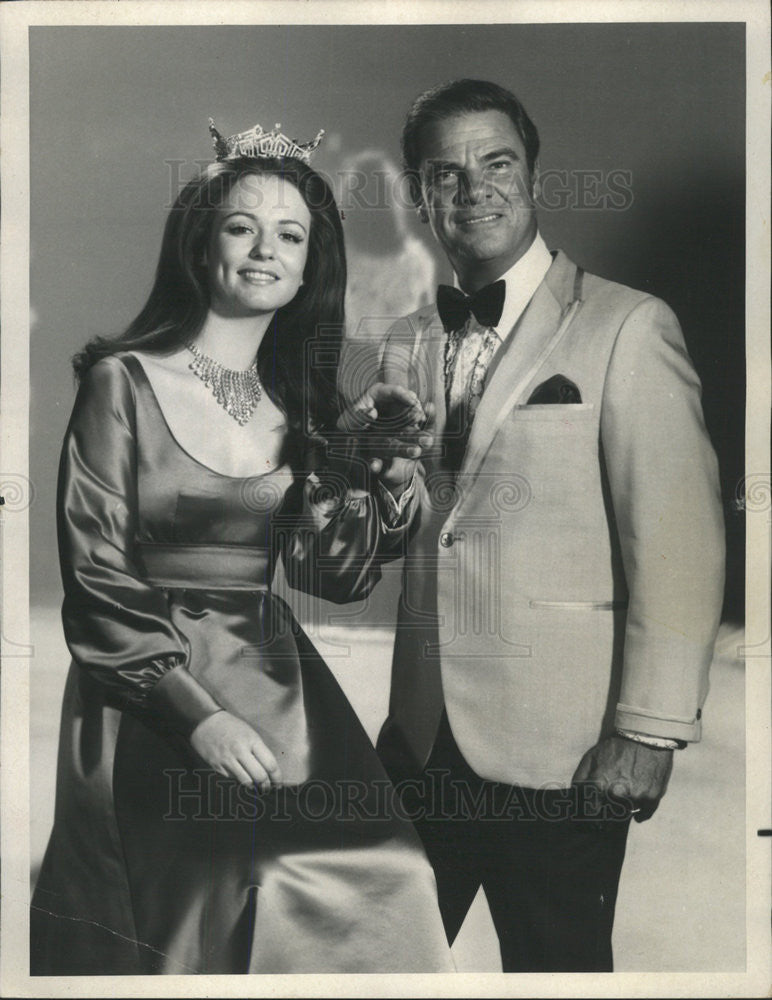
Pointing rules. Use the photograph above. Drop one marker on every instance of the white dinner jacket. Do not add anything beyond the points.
(571, 578)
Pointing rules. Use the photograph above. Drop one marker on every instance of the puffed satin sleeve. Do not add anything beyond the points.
(332, 535)
(117, 626)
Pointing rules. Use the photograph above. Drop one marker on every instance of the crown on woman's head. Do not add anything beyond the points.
(257, 142)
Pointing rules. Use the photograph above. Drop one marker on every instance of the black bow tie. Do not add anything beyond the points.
(486, 305)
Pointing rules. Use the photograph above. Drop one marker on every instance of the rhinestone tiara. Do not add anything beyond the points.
(257, 142)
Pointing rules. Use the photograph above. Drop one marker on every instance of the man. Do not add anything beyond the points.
(562, 588)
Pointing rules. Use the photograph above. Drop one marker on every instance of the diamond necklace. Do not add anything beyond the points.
(237, 392)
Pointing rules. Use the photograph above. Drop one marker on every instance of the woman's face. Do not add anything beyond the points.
(258, 247)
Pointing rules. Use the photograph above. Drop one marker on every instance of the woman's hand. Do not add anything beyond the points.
(394, 428)
(234, 749)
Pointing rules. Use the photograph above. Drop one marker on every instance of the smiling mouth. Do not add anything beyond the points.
(259, 277)
(479, 220)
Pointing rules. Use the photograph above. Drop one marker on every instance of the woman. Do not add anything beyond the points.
(206, 752)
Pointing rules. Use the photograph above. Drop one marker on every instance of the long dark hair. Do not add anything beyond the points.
(294, 355)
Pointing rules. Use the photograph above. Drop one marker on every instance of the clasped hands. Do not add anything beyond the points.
(393, 430)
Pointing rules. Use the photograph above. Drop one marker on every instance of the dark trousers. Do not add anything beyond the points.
(548, 860)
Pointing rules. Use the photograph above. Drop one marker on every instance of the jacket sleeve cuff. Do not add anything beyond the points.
(396, 515)
(182, 701)
(672, 727)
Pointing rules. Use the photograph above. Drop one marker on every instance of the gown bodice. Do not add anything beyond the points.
(182, 501)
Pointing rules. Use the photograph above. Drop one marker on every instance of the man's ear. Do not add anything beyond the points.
(536, 181)
(416, 194)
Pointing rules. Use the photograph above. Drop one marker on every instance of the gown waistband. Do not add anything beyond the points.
(205, 567)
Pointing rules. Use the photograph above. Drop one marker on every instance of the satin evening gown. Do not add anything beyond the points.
(156, 864)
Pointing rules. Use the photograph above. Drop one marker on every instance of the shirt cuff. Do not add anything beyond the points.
(656, 742)
(393, 510)
(182, 701)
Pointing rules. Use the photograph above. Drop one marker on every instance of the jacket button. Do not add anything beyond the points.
(446, 539)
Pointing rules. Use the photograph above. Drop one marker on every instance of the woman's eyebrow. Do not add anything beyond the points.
(291, 222)
(249, 215)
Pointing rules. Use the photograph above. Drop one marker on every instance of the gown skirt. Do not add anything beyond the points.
(156, 864)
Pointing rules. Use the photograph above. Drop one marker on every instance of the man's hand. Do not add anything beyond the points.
(395, 471)
(628, 770)
(394, 429)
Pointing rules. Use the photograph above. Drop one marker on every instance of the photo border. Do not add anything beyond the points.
(15, 20)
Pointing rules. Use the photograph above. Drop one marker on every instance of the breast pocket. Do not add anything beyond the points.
(555, 446)
(553, 412)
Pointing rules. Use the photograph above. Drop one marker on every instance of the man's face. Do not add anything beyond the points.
(477, 193)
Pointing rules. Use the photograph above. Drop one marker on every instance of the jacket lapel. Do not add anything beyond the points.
(527, 346)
